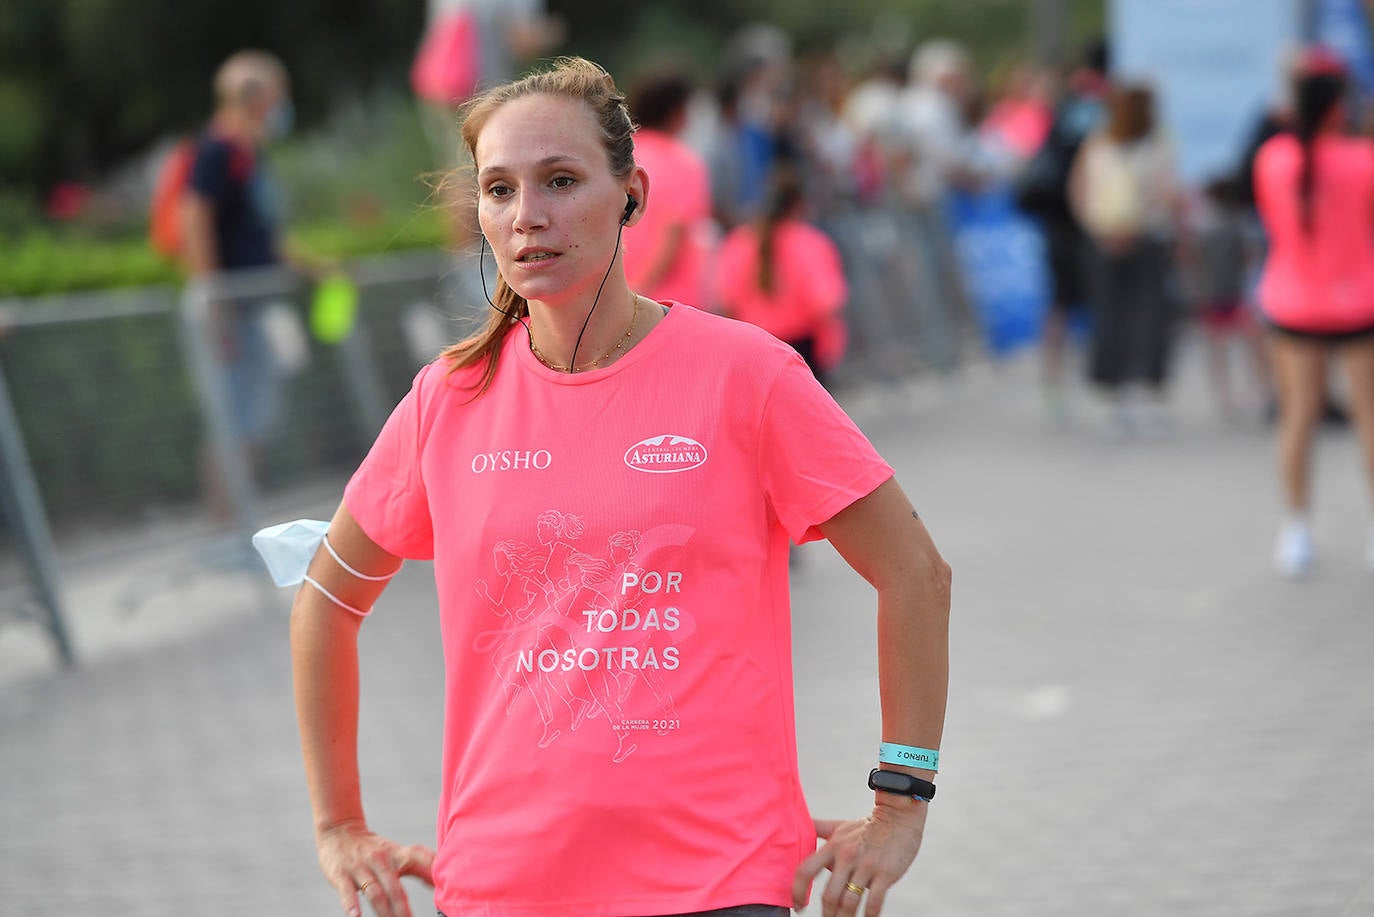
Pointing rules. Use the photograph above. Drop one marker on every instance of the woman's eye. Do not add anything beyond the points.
(563, 181)
(498, 190)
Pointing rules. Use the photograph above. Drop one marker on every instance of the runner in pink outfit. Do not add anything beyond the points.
(1315, 191)
(666, 249)
(607, 486)
(785, 276)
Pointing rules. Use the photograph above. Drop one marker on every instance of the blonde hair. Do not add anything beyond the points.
(247, 74)
(571, 78)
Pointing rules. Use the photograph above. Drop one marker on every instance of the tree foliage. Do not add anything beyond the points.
(629, 37)
(85, 83)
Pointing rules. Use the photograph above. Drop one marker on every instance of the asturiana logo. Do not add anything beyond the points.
(665, 454)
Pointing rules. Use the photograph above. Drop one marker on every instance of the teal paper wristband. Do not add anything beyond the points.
(909, 756)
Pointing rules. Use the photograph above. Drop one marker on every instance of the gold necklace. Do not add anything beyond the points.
(619, 344)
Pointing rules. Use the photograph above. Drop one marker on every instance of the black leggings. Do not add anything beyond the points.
(1133, 312)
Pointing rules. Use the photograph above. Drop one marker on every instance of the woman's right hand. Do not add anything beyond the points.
(359, 864)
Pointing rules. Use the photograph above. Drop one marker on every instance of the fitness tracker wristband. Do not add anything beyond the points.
(900, 784)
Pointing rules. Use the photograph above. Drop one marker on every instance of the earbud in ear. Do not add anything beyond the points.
(630, 205)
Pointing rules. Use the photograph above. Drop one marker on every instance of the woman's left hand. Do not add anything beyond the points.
(871, 854)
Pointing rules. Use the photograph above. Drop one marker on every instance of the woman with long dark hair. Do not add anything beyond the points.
(1315, 191)
(785, 276)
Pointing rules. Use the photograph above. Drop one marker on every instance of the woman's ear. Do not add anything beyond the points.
(637, 190)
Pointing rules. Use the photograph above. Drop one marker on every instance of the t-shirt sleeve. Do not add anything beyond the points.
(386, 495)
(814, 461)
(209, 176)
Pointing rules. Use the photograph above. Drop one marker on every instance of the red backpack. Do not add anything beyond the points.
(164, 215)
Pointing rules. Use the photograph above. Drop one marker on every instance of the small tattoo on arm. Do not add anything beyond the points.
(915, 515)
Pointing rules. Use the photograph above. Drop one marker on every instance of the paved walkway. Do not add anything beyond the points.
(1143, 718)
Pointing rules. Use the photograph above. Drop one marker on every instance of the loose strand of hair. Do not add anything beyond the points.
(484, 347)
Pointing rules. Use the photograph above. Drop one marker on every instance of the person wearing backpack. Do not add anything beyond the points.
(1124, 191)
(230, 221)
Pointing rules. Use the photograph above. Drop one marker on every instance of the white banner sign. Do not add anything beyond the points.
(1215, 65)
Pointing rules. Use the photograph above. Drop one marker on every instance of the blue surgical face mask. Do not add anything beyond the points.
(288, 548)
(280, 120)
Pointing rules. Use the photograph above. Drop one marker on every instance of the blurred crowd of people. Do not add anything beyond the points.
(823, 205)
(872, 161)
(821, 190)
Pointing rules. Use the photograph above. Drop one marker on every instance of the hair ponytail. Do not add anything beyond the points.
(782, 202)
(1317, 96)
(767, 229)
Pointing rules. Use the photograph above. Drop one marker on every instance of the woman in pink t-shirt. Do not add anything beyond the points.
(608, 487)
(1315, 191)
(785, 276)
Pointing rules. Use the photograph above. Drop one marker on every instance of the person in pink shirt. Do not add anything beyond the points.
(1019, 122)
(666, 249)
(785, 276)
(1315, 191)
(607, 486)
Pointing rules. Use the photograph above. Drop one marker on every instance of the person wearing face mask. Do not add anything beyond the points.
(231, 216)
(607, 486)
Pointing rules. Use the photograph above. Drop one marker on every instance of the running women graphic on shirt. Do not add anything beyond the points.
(587, 631)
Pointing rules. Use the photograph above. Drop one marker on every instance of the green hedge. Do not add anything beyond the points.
(111, 422)
(43, 262)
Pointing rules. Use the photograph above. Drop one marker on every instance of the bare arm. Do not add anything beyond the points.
(199, 244)
(324, 663)
(200, 257)
(885, 542)
(883, 539)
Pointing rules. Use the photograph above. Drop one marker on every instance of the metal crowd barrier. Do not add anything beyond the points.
(124, 443)
(117, 409)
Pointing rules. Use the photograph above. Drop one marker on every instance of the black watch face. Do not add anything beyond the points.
(902, 784)
(891, 782)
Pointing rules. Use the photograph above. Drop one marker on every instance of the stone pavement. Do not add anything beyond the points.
(1143, 719)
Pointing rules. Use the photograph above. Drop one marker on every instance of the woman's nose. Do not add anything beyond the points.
(529, 212)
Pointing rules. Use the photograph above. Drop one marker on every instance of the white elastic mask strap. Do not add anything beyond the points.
(343, 563)
(335, 599)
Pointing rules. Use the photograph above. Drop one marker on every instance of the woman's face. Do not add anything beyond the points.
(547, 201)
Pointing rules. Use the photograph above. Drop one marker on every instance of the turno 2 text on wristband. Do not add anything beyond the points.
(909, 756)
(900, 784)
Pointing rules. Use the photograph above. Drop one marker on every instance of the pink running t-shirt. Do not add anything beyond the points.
(610, 550)
(808, 280)
(1322, 282)
(679, 194)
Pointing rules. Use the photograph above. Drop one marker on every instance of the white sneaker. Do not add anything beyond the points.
(1152, 420)
(1294, 552)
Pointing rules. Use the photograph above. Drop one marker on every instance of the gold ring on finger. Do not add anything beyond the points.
(856, 889)
(363, 887)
